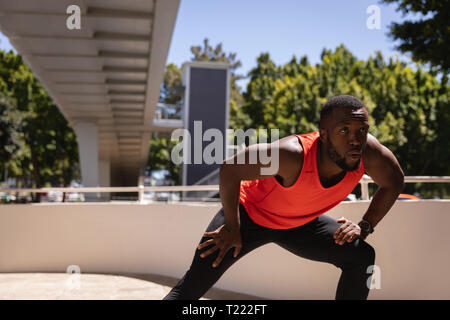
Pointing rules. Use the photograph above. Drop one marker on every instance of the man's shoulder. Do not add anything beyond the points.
(381, 164)
(294, 142)
(291, 146)
(290, 157)
(373, 150)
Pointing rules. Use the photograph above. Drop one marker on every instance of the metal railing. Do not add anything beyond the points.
(365, 180)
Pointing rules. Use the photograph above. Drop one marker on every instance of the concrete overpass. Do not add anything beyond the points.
(104, 77)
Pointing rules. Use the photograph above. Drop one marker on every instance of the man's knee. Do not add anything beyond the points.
(367, 253)
(359, 254)
(363, 255)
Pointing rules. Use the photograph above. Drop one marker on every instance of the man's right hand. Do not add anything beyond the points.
(223, 239)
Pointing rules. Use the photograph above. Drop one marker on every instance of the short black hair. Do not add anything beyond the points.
(344, 100)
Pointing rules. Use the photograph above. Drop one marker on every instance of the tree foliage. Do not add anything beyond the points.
(37, 143)
(427, 39)
(172, 88)
(160, 158)
(10, 119)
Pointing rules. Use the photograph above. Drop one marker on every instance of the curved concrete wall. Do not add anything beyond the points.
(411, 243)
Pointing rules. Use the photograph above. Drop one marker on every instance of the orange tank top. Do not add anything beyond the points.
(274, 206)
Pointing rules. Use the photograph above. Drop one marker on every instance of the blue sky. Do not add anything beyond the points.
(283, 28)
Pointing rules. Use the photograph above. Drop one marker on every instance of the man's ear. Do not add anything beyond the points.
(323, 135)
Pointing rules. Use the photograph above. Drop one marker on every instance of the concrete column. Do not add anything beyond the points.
(87, 136)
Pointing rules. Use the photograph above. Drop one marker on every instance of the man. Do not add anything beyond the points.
(316, 172)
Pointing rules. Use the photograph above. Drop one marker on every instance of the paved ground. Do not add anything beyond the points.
(55, 286)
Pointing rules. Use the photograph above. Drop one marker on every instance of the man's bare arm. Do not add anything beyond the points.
(285, 153)
(382, 166)
(384, 169)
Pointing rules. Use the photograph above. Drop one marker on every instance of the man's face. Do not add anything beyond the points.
(346, 137)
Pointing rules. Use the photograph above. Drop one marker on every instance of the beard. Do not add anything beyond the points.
(340, 161)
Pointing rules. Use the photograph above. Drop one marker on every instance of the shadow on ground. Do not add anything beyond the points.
(212, 294)
(96, 286)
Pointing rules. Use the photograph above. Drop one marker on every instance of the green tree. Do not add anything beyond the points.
(10, 138)
(260, 89)
(426, 39)
(160, 157)
(48, 154)
(172, 88)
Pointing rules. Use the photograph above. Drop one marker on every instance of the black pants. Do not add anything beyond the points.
(313, 241)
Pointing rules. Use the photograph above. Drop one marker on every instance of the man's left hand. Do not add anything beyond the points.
(347, 232)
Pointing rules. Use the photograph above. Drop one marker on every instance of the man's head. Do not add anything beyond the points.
(344, 125)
